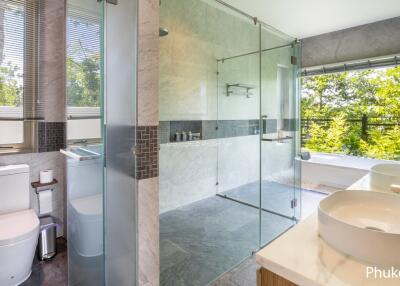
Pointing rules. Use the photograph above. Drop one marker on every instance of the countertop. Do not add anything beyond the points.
(363, 184)
(301, 257)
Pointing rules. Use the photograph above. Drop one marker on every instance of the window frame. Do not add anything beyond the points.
(30, 87)
(82, 116)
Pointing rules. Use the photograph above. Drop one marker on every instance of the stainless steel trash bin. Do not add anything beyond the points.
(47, 247)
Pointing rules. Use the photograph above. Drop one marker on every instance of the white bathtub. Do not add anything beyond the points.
(333, 170)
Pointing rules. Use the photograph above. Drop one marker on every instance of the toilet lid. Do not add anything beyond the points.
(17, 226)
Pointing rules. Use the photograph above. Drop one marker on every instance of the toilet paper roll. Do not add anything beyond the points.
(45, 202)
(46, 176)
(395, 189)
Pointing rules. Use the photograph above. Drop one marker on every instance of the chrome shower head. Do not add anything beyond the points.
(163, 32)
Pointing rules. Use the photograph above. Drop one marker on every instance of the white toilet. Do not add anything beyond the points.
(85, 206)
(86, 228)
(19, 226)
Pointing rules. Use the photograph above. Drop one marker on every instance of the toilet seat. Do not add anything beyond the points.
(18, 226)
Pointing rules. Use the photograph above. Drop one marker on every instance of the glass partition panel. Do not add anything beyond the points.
(120, 53)
(279, 135)
(101, 88)
(85, 161)
(238, 129)
(298, 199)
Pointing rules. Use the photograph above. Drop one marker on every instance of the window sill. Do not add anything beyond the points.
(15, 151)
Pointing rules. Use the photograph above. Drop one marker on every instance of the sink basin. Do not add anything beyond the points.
(384, 175)
(362, 224)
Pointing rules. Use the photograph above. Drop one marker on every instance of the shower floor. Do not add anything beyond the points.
(205, 239)
(276, 197)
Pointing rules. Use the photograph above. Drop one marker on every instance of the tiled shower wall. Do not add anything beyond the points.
(193, 98)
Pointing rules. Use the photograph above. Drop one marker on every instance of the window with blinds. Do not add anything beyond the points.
(18, 57)
(83, 71)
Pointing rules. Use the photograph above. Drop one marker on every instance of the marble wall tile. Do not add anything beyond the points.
(44, 161)
(147, 108)
(200, 33)
(277, 161)
(238, 161)
(148, 229)
(148, 62)
(188, 172)
(52, 77)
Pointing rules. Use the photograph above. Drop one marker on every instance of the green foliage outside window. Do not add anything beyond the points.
(83, 85)
(10, 85)
(336, 103)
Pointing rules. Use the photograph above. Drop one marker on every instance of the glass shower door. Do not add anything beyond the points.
(279, 117)
(85, 160)
(238, 129)
(102, 203)
(120, 204)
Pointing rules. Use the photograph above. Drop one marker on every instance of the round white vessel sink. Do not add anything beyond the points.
(384, 175)
(362, 224)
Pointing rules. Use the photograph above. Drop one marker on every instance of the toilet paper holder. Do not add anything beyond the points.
(38, 185)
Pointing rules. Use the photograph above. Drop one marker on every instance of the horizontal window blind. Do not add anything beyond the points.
(18, 59)
(358, 65)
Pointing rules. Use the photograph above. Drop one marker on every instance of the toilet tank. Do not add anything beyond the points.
(14, 188)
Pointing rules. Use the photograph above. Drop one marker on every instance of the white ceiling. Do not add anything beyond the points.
(305, 18)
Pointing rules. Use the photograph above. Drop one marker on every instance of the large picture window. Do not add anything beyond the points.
(355, 113)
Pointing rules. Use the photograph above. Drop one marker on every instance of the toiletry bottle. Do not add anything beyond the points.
(177, 136)
(184, 136)
(190, 136)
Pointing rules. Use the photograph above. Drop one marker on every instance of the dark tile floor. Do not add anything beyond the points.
(203, 240)
(53, 272)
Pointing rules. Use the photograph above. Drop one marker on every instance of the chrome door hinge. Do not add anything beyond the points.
(293, 203)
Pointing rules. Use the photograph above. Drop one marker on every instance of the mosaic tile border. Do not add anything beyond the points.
(51, 136)
(147, 147)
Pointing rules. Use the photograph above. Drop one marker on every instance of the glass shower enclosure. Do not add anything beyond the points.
(258, 131)
(101, 184)
(231, 82)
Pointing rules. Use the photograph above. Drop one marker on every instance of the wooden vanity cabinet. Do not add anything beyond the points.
(268, 278)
